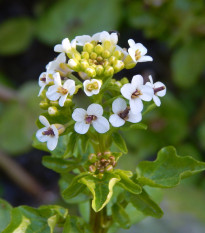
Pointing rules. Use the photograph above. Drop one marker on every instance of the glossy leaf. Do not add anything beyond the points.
(58, 164)
(139, 126)
(120, 216)
(145, 204)
(5, 214)
(101, 189)
(119, 142)
(126, 182)
(168, 169)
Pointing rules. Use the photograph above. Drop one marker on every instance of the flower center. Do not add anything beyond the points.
(137, 54)
(43, 79)
(92, 86)
(62, 90)
(136, 94)
(90, 118)
(124, 114)
(49, 132)
(158, 89)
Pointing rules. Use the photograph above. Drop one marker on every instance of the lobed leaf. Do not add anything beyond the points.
(120, 216)
(119, 142)
(168, 169)
(5, 214)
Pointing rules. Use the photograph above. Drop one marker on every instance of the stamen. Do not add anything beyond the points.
(62, 90)
(124, 114)
(136, 94)
(90, 118)
(137, 54)
(49, 132)
(159, 89)
(43, 79)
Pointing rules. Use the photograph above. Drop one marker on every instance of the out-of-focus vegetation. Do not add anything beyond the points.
(175, 33)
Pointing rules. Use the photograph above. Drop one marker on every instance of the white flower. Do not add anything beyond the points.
(106, 36)
(135, 92)
(93, 116)
(92, 87)
(44, 79)
(54, 65)
(66, 46)
(48, 134)
(159, 90)
(59, 91)
(137, 52)
(122, 113)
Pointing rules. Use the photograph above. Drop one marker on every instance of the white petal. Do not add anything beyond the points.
(127, 90)
(40, 82)
(96, 36)
(160, 93)
(62, 100)
(145, 58)
(58, 48)
(151, 79)
(66, 45)
(147, 93)
(70, 86)
(141, 48)
(53, 95)
(61, 58)
(79, 114)
(104, 36)
(57, 79)
(44, 121)
(73, 43)
(131, 52)
(95, 109)
(131, 42)
(52, 143)
(117, 47)
(114, 38)
(157, 100)
(81, 40)
(136, 105)
(42, 87)
(95, 92)
(40, 136)
(101, 124)
(81, 127)
(119, 105)
(137, 81)
(116, 121)
(134, 118)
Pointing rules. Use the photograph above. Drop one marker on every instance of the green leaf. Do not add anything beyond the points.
(126, 183)
(168, 169)
(120, 216)
(119, 142)
(188, 63)
(27, 219)
(145, 204)
(139, 126)
(5, 214)
(75, 187)
(101, 189)
(58, 164)
(15, 35)
(71, 144)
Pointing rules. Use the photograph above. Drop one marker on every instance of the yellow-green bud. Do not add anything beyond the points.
(54, 103)
(99, 70)
(118, 65)
(107, 45)
(93, 55)
(92, 168)
(68, 102)
(112, 59)
(88, 47)
(85, 55)
(98, 49)
(118, 83)
(109, 168)
(118, 54)
(109, 71)
(100, 175)
(90, 71)
(60, 128)
(77, 56)
(124, 80)
(53, 111)
(106, 63)
(92, 158)
(84, 64)
(74, 64)
(43, 105)
(129, 63)
(106, 54)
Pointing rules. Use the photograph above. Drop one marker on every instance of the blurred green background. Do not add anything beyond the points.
(173, 31)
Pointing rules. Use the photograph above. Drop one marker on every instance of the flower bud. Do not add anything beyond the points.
(60, 128)
(124, 80)
(88, 47)
(44, 105)
(129, 63)
(106, 54)
(109, 168)
(85, 55)
(107, 45)
(73, 64)
(93, 55)
(118, 83)
(84, 64)
(90, 71)
(109, 71)
(100, 175)
(53, 111)
(99, 70)
(118, 54)
(92, 168)
(92, 158)
(77, 56)
(54, 103)
(98, 49)
(112, 59)
(68, 102)
(118, 66)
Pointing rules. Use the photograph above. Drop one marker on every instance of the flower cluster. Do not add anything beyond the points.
(96, 59)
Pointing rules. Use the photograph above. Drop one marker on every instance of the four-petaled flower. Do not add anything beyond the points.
(93, 116)
(159, 90)
(48, 134)
(59, 91)
(92, 87)
(122, 113)
(66, 46)
(137, 52)
(135, 92)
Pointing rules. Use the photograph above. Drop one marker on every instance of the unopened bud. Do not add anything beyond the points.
(68, 102)
(118, 83)
(98, 49)
(99, 154)
(107, 45)
(118, 54)
(84, 64)
(44, 105)
(73, 64)
(118, 65)
(112, 59)
(76, 56)
(93, 55)
(53, 111)
(99, 70)
(54, 103)
(124, 81)
(92, 158)
(106, 54)
(109, 168)
(90, 71)
(85, 55)
(88, 47)
(101, 170)
(60, 128)
(100, 175)
(92, 168)
(129, 63)
(109, 71)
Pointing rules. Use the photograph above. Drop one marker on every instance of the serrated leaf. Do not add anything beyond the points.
(145, 204)
(120, 142)
(139, 126)
(75, 187)
(27, 219)
(101, 189)
(126, 183)
(5, 214)
(168, 169)
(15, 35)
(58, 164)
(120, 216)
